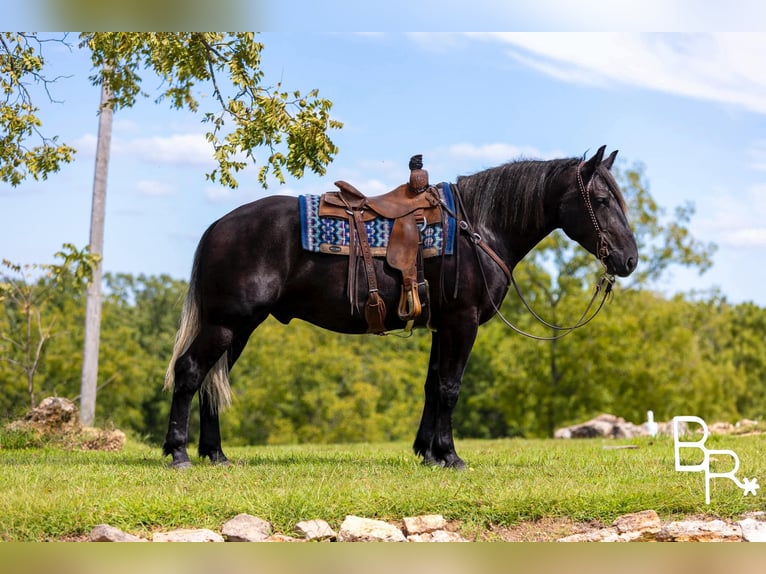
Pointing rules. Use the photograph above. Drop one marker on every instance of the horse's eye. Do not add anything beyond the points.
(603, 201)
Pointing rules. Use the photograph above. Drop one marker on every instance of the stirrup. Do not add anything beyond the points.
(409, 304)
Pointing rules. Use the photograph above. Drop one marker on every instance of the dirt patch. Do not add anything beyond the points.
(542, 530)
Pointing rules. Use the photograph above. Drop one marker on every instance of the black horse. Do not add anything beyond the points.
(250, 264)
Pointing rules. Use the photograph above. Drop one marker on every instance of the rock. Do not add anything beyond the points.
(437, 536)
(315, 530)
(604, 425)
(596, 535)
(356, 529)
(53, 416)
(699, 531)
(638, 525)
(283, 538)
(752, 530)
(102, 439)
(106, 533)
(187, 535)
(246, 528)
(424, 524)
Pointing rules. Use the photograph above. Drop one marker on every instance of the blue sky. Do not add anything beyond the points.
(690, 107)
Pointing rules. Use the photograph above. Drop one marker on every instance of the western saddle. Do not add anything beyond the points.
(411, 206)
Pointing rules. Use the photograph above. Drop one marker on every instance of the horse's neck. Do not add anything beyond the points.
(514, 243)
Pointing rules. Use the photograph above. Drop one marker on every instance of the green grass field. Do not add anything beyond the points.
(53, 494)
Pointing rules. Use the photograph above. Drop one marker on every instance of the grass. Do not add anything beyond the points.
(51, 493)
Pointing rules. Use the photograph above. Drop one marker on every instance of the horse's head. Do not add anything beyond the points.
(592, 211)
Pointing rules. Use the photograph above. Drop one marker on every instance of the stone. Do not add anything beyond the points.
(752, 530)
(107, 533)
(246, 528)
(283, 538)
(315, 530)
(699, 531)
(357, 529)
(424, 523)
(638, 525)
(436, 536)
(595, 535)
(604, 425)
(188, 535)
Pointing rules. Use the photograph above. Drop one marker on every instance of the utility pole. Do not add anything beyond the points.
(89, 379)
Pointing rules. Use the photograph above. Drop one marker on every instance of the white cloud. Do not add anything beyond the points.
(733, 219)
(757, 154)
(721, 67)
(154, 188)
(176, 149)
(751, 237)
(219, 194)
(492, 152)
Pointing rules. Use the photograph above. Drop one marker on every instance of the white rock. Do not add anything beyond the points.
(246, 528)
(424, 523)
(315, 530)
(437, 536)
(106, 533)
(357, 529)
(188, 535)
(699, 531)
(753, 530)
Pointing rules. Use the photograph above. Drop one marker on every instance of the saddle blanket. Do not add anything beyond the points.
(331, 235)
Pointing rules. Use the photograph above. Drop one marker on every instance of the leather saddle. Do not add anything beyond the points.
(411, 206)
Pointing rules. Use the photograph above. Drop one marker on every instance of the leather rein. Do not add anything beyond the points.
(603, 286)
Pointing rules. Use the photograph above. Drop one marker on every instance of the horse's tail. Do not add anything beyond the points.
(215, 387)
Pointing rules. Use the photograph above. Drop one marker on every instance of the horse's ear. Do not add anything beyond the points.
(590, 166)
(608, 162)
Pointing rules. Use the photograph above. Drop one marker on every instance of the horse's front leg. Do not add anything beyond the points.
(449, 355)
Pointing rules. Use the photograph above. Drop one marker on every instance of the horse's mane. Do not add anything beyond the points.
(514, 192)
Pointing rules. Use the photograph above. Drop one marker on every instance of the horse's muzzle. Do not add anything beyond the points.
(620, 263)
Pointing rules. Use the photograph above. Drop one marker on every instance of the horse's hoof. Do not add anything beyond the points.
(180, 465)
(223, 463)
(433, 462)
(456, 465)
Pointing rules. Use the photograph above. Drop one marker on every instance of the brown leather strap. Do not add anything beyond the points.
(495, 257)
(375, 308)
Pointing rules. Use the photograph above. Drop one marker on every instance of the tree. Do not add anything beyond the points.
(24, 150)
(245, 114)
(25, 298)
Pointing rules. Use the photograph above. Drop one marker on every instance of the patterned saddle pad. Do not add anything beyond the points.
(331, 235)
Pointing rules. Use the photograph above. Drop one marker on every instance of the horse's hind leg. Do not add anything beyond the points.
(209, 424)
(191, 368)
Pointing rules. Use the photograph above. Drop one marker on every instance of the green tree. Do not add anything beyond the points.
(244, 116)
(24, 149)
(25, 296)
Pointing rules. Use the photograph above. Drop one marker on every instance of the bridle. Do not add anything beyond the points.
(603, 285)
(602, 247)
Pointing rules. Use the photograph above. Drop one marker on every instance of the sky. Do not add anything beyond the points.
(689, 107)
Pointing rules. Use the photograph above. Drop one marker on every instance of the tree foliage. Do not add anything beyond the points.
(26, 292)
(243, 116)
(24, 149)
